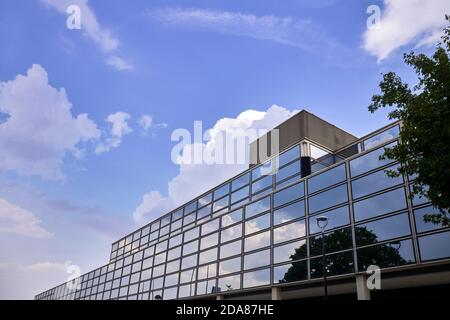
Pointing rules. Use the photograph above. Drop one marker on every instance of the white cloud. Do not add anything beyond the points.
(147, 123)
(119, 128)
(194, 179)
(48, 266)
(119, 63)
(284, 30)
(93, 30)
(403, 22)
(40, 128)
(16, 220)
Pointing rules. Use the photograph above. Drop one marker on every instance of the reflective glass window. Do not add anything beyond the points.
(205, 199)
(230, 266)
(435, 246)
(336, 218)
(257, 241)
(289, 231)
(257, 207)
(328, 199)
(210, 226)
(231, 233)
(206, 287)
(160, 258)
(386, 255)
(240, 194)
(188, 219)
(177, 214)
(221, 203)
(374, 182)
(207, 271)
(208, 256)
(257, 278)
(170, 294)
(204, 211)
(326, 179)
(191, 234)
(209, 241)
(339, 263)
(189, 262)
(290, 212)
(171, 280)
(257, 224)
(229, 283)
(369, 161)
(173, 266)
(257, 259)
(263, 170)
(423, 226)
(295, 271)
(240, 182)
(337, 240)
(261, 184)
(384, 229)
(289, 194)
(382, 137)
(380, 204)
(221, 191)
(231, 249)
(290, 252)
(190, 207)
(190, 247)
(288, 171)
(232, 218)
(288, 156)
(174, 253)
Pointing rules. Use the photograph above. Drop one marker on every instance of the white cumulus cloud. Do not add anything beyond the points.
(119, 128)
(16, 220)
(194, 179)
(40, 128)
(404, 22)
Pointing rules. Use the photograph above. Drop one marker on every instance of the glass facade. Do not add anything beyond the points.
(259, 229)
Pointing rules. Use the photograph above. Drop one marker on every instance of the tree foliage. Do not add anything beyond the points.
(424, 110)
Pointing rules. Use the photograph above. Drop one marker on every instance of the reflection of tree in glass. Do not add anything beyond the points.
(382, 255)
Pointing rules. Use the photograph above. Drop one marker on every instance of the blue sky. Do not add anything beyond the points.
(81, 168)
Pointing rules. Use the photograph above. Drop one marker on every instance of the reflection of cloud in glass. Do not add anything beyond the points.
(230, 283)
(257, 278)
(229, 266)
(207, 271)
(289, 232)
(231, 233)
(257, 241)
(257, 224)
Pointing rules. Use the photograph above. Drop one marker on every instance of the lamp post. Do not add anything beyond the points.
(322, 222)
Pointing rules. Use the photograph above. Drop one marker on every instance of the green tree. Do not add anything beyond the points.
(424, 110)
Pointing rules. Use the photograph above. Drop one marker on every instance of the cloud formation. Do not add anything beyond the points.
(119, 128)
(404, 22)
(40, 128)
(15, 220)
(283, 30)
(92, 29)
(182, 189)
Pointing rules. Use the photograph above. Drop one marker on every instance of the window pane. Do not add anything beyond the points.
(221, 203)
(381, 204)
(174, 253)
(240, 181)
(340, 263)
(230, 283)
(369, 161)
(231, 249)
(257, 207)
(230, 265)
(289, 194)
(336, 218)
(337, 240)
(386, 255)
(374, 182)
(190, 207)
(191, 234)
(206, 287)
(190, 247)
(204, 211)
(289, 155)
(291, 251)
(384, 229)
(257, 241)
(207, 271)
(220, 192)
(231, 233)
(423, 226)
(177, 214)
(205, 200)
(290, 212)
(257, 259)
(173, 266)
(326, 179)
(382, 137)
(257, 278)
(171, 280)
(289, 231)
(188, 219)
(170, 293)
(209, 241)
(239, 195)
(257, 224)
(290, 272)
(261, 184)
(328, 199)
(288, 171)
(208, 256)
(435, 246)
(232, 218)
(210, 227)
(189, 262)
(263, 170)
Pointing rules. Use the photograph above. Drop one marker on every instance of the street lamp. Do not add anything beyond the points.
(322, 222)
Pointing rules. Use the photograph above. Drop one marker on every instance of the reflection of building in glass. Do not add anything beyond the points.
(256, 234)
